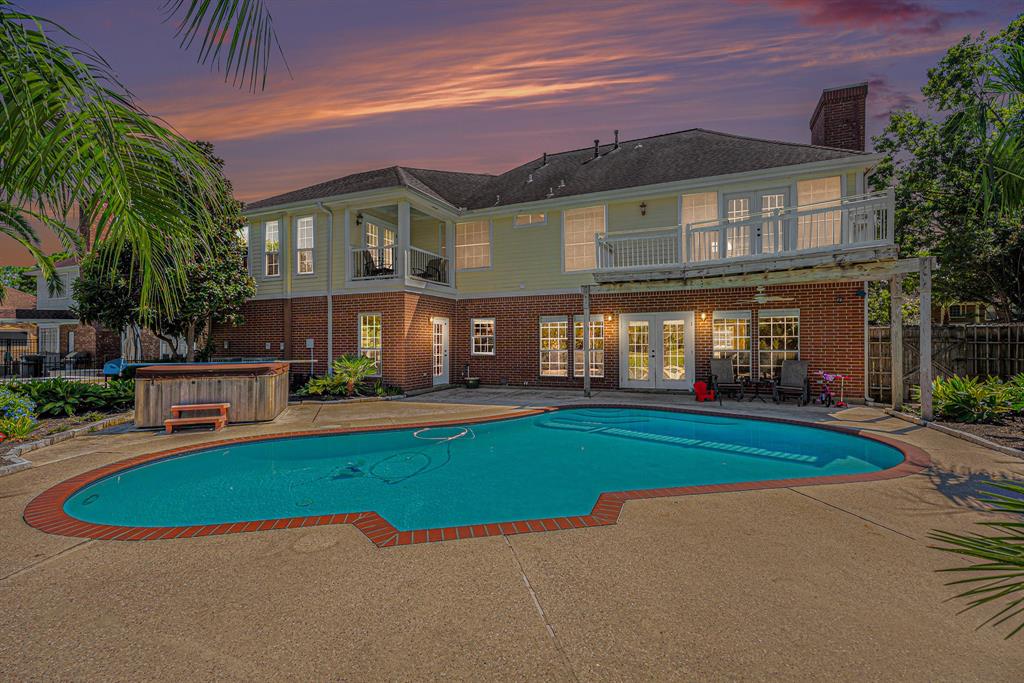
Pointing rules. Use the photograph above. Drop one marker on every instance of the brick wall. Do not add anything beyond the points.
(831, 330)
(839, 118)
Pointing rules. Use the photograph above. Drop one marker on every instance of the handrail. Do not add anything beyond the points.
(850, 222)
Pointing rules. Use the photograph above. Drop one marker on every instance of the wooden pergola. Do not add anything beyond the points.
(891, 270)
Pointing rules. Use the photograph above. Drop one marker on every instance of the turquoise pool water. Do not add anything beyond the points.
(550, 465)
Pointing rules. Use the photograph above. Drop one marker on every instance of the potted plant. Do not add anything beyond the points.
(471, 382)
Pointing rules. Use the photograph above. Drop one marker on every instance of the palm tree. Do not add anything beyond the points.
(350, 370)
(71, 135)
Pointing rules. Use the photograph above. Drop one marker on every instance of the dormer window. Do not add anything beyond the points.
(526, 219)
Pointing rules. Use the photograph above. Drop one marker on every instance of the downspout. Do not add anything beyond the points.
(330, 285)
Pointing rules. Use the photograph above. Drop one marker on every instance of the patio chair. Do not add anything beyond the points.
(370, 267)
(723, 379)
(431, 272)
(793, 381)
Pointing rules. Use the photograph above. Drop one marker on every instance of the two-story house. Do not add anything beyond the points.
(681, 247)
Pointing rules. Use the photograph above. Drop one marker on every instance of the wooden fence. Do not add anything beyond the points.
(965, 350)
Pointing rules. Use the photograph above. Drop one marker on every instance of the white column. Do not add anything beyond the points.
(926, 338)
(896, 339)
(586, 340)
(449, 250)
(346, 223)
(404, 234)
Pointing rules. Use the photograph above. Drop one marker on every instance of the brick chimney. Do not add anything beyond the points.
(839, 118)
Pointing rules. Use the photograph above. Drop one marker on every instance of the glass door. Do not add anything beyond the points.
(440, 350)
(656, 350)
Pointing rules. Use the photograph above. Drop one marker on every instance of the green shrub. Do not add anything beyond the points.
(16, 427)
(349, 372)
(57, 397)
(969, 399)
(17, 414)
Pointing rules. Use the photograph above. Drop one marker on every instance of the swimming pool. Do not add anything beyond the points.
(554, 465)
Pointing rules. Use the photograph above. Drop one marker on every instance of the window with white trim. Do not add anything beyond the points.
(596, 346)
(380, 241)
(554, 347)
(482, 336)
(243, 239)
(697, 208)
(272, 248)
(525, 219)
(304, 245)
(49, 340)
(473, 245)
(371, 339)
(730, 332)
(822, 228)
(778, 339)
(580, 228)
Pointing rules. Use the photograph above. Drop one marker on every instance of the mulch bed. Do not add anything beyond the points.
(1010, 433)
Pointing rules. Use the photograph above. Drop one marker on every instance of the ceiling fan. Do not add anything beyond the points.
(761, 297)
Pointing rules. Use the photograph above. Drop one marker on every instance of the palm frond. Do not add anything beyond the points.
(234, 35)
(999, 575)
(72, 135)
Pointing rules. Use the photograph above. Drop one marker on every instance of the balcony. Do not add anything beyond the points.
(850, 230)
(379, 263)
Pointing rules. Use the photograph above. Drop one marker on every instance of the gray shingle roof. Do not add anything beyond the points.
(672, 157)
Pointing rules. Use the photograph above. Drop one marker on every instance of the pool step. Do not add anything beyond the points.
(596, 427)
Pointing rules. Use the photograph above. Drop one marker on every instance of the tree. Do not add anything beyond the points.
(933, 162)
(72, 135)
(217, 282)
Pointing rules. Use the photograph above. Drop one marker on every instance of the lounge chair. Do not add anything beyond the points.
(723, 379)
(793, 381)
(370, 267)
(432, 271)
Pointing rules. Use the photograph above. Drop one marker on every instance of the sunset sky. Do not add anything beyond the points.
(484, 86)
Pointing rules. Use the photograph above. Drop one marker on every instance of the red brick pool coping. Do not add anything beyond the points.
(46, 511)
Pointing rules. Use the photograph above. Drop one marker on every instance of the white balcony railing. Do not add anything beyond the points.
(379, 263)
(426, 265)
(373, 263)
(849, 224)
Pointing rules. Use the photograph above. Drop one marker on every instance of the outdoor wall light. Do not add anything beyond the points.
(703, 316)
(861, 293)
(643, 208)
(608, 318)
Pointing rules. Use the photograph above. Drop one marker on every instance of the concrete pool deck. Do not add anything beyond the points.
(822, 582)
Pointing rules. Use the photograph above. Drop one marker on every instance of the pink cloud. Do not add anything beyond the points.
(906, 16)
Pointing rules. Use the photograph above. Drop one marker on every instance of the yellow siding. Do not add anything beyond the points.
(662, 212)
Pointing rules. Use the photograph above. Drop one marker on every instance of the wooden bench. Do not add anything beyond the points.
(216, 421)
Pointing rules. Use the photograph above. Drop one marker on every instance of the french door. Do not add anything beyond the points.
(439, 356)
(656, 350)
(765, 237)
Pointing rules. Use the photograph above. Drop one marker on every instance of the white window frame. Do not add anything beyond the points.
(578, 353)
(593, 248)
(302, 223)
(717, 352)
(267, 252)
(816, 225)
(474, 337)
(490, 246)
(382, 235)
(530, 222)
(243, 237)
(375, 352)
(767, 314)
(563, 351)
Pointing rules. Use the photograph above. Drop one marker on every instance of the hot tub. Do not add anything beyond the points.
(257, 392)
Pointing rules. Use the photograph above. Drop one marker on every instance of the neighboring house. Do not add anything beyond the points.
(32, 324)
(684, 246)
(964, 313)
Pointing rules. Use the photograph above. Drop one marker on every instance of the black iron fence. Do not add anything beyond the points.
(26, 360)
